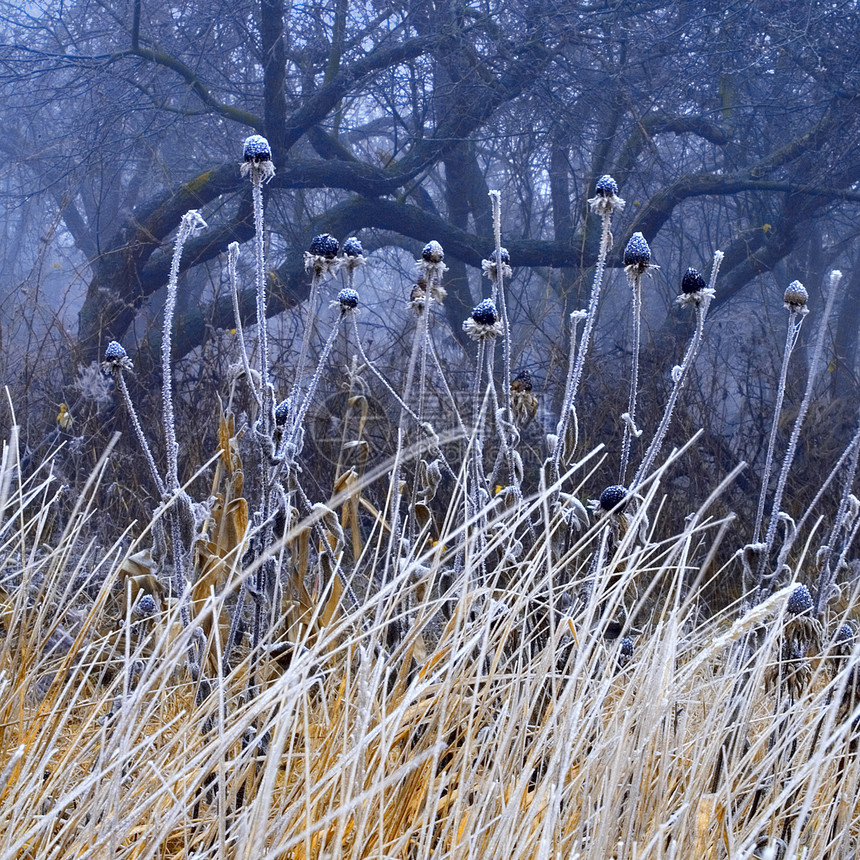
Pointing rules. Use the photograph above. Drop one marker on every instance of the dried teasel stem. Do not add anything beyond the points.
(637, 261)
(232, 260)
(604, 203)
(797, 313)
(763, 579)
(700, 299)
(191, 222)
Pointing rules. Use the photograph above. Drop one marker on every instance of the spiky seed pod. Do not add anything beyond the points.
(116, 358)
(348, 299)
(257, 156)
(625, 651)
(432, 252)
(146, 606)
(483, 322)
(419, 291)
(606, 200)
(485, 313)
(257, 149)
(842, 646)
(352, 247)
(612, 497)
(796, 297)
(282, 412)
(606, 186)
(692, 282)
(637, 254)
(523, 401)
(490, 266)
(844, 636)
(325, 245)
(522, 382)
(799, 601)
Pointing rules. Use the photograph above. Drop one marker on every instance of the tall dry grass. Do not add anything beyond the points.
(497, 723)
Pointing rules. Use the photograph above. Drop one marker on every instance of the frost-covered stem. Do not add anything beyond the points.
(499, 293)
(421, 327)
(405, 408)
(306, 335)
(795, 321)
(825, 579)
(630, 424)
(190, 221)
(260, 285)
(422, 372)
(476, 389)
(835, 277)
(448, 393)
(232, 259)
(179, 582)
(849, 451)
(400, 402)
(315, 379)
(235, 624)
(135, 422)
(678, 382)
(576, 367)
(568, 404)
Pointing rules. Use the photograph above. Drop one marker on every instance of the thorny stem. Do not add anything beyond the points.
(260, 281)
(795, 321)
(763, 579)
(421, 329)
(630, 423)
(306, 336)
(567, 406)
(135, 422)
(499, 292)
(191, 220)
(400, 402)
(315, 379)
(575, 371)
(678, 383)
(825, 578)
(232, 259)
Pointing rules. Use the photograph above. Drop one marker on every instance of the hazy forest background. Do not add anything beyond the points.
(729, 125)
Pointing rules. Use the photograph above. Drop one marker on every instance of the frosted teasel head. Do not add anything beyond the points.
(606, 200)
(637, 257)
(347, 301)
(431, 265)
(799, 601)
(795, 298)
(321, 259)
(842, 644)
(801, 631)
(694, 290)
(428, 283)
(523, 400)
(490, 267)
(613, 498)
(625, 651)
(257, 158)
(282, 411)
(146, 607)
(353, 254)
(116, 358)
(483, 322)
